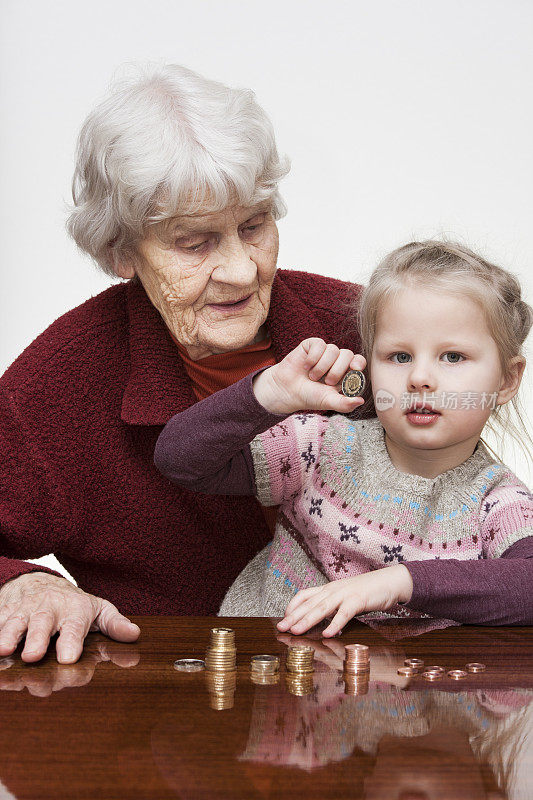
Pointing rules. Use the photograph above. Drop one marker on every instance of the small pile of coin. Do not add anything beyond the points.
(300, 660)
(264, 670)
(221, 656)
(415, 666)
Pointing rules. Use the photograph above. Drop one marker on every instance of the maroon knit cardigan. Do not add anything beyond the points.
(80, 412)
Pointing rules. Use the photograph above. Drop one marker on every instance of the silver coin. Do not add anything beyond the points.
(265, 659)
(189, 665)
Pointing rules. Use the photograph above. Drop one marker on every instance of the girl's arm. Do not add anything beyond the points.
(485, 592)
(205, 448)
(492, 591)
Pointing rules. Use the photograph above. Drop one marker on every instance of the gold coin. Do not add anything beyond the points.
(353, 383)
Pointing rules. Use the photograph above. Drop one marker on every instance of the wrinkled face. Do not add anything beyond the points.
(429, 342)
(211, 278)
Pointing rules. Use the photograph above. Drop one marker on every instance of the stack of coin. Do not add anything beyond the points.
(356, 684)
(221, 687)
(264, 669)
(221, 655)
(299, 684)
(300, 659)
(356, 669)
(356, 659)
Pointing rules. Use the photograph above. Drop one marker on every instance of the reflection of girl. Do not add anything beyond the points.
(440, 328)
(426, 740)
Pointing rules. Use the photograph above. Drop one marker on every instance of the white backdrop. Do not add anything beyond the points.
(402, 119)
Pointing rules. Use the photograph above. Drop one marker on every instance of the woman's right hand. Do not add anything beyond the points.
(38, 605)
(309, 377)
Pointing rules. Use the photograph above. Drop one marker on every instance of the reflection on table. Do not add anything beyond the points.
(123, 723)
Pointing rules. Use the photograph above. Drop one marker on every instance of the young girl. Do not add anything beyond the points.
(406, 514)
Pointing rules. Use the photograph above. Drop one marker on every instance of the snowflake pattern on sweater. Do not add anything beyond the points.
(345, 509)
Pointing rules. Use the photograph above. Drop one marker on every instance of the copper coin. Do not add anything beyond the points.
(475, 666)
(457, 674)
(407, 672)
(353, 383)
(417, 663)
(432, 675)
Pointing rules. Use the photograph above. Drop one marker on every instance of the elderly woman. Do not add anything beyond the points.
(175, 191)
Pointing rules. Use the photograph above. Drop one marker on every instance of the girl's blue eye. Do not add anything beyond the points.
(454, 361)
(404, 358)
(400, 358)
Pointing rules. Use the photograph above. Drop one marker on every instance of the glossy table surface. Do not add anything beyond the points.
(123, 723)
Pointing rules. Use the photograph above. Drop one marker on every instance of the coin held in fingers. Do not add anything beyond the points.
(353, 384)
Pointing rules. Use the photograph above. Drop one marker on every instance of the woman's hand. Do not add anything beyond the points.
(38, 605)
(308, 378)
(349, 597)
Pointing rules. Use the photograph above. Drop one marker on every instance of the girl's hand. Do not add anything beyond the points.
(349, 597)
(308, 378)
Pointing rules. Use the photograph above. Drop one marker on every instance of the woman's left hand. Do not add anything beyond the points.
(348, 597)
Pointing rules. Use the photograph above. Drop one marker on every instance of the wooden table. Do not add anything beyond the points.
(123, 723)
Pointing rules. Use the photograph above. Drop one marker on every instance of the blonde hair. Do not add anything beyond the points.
(456, 269)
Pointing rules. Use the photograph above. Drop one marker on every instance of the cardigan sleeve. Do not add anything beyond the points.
(30, 519)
